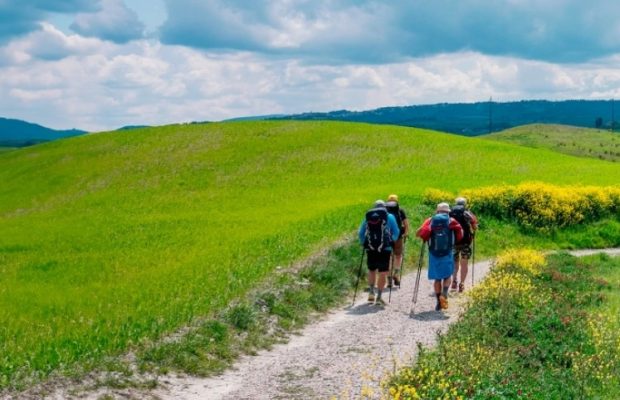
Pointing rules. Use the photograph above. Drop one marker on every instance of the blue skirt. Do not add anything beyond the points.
(440, 267)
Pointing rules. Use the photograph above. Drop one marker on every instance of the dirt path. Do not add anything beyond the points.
(344, 355)
(347, 352)
(341, 356)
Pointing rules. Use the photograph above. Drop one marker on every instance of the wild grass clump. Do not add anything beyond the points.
(528, 332)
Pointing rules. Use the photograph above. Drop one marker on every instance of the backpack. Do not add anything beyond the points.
(442, 238)
(459, 213)
(377, 232)
(393, 208)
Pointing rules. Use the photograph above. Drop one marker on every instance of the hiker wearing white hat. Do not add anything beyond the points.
(441, 232)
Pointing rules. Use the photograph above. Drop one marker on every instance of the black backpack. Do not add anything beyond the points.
(459, 213)
(377, 232)
(393, 208)
(442, 238)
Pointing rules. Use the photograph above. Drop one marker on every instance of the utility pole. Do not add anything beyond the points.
(490, 114)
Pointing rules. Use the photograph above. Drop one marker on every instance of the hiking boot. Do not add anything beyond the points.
(443, 302)
(380, 302)
(396, 281)
(371, 297)
(454, 285)
(461, 287)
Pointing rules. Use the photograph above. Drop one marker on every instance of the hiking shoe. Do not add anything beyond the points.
(461, 287)
(443, 302)
(396, 281)
(454, 285)
(380, 302)
(371, 297)
(437, 306)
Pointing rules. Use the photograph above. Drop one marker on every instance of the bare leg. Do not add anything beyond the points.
(372, 277)
(464, 268)
(381, 281)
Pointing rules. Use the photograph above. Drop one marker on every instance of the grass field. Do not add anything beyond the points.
(110, 239)
(572, 140)
(5, 149)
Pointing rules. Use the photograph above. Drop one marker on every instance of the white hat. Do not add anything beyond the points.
(379, 203)
(443, 207)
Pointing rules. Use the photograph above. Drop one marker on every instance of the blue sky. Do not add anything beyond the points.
(102, 64)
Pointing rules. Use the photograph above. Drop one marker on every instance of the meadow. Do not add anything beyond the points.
(110, 240)
(572, 140)
(535, 328)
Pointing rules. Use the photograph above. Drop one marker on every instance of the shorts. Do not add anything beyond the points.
(397, 247)
(462, 250)
(378, 260)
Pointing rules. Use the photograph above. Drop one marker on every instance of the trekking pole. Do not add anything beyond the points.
(416, 286)
(391, 278)
(473, 259)
(402, 264)
(359, 272)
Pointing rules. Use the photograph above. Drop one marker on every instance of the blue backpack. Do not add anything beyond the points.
(442, 238)
(377, 232)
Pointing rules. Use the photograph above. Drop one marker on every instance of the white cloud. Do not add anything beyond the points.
(115, 22)
(99, 85)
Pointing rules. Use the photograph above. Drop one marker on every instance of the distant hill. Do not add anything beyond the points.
(576, 141)
(17, 133)
(473, 119)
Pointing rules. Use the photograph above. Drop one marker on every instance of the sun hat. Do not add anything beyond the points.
(461, 201)
(379, 203)
(393, 197)
(443, 207)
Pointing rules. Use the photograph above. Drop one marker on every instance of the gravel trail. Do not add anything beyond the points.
(345, 353)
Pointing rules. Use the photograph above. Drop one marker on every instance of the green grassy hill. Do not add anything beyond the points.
(111, 238)
(576, 141)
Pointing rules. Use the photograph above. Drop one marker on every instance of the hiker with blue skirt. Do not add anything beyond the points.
(377, 233)
(441, 232)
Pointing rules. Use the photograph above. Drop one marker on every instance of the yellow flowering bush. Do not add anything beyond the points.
(520, 261)
(540, 206)
(432, 197)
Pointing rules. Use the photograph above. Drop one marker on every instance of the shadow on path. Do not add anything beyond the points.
(429, 316)
(362, 309)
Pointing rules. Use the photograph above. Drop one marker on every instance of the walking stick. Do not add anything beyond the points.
(402, 264)
(359, 272)
(473, 259)
(391, 277)
(416, 286)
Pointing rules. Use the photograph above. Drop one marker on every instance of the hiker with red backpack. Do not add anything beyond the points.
(377, 234)
(441, 232)
(396, 210)
(463, 248)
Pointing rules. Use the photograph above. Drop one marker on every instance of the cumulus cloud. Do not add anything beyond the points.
(25, 17)
(148, 83)
(376, 31)
(114, 22)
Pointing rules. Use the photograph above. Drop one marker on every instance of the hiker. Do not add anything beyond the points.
(377, 233)
(441, 231)
(463, 248)
(394, 208)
